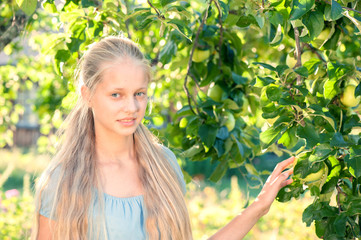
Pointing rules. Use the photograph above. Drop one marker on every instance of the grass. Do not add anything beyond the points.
(16, 164)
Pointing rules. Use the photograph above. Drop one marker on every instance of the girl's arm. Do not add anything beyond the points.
(242, 223)
(44, 232)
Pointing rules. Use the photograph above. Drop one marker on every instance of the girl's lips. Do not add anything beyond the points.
(127, 121)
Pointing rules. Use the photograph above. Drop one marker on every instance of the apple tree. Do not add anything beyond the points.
(236, 79)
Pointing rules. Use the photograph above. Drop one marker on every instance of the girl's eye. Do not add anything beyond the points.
(115, 95)
(140, 94)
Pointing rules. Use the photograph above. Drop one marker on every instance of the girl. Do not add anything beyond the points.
(110, 177)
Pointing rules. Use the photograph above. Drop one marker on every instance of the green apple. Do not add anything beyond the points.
(244, 110)
(290, 60)
(305, 56)
(215, 93)
(229, 121)
(313, 177)
(348, 98)
(200, 55)
(183, 122)
(324, 35)
(320, 72)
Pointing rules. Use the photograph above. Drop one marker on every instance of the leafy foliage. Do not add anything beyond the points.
(280, 69)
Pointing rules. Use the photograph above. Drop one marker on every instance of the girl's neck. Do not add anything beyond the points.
(118, 150)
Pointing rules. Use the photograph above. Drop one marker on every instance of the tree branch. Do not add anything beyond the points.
(221, 33)
(126, 3)
(18, 24)
(314, 50)
(156, 10)
(298, 53)
(195, 44)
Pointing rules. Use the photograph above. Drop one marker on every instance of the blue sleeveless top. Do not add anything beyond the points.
(124, 217)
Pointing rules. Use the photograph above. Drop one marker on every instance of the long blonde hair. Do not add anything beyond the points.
(72, 207)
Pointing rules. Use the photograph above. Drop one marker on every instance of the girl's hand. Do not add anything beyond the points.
(242, 223)
(277, 180)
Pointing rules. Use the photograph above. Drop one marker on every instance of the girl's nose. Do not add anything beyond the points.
(131, 105)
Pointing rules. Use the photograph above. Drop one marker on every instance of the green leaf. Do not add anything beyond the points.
(333, 12)
(190, 152)
(340, 224)
(294, 190)
(314, 23)
(49, 6)
(303, 71)
(232, 19)
(320, 153)
(145, 19)
(238, 79)
(330, 89)
(354, 165)
(273, 92)
(338, 141)
(289, 139)
(219, 146)
(245, 21)
(166, 2)
(230, 104)
(251, 169)
(275, 35)
(180, 26)
(168, 51)
(28, 6)
(137, 12)
(358, 90)
(271, 135)
(219, 172)
(312, 65)
(74, 44)
(321, 226)
(239, 146)
(208, 134)
(354, 21)
(223, 133)
(88, 3)
(318, 211)
(224, 7)
(355, 151)
(300, 8)
(61, 57)
(309, 133)
(260, 21)
(264, 81)
(265, 65)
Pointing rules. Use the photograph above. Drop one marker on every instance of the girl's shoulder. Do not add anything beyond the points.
(49, 182)
(173, 161)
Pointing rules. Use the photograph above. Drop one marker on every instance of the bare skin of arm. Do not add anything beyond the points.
(44, 232)
(242, 223)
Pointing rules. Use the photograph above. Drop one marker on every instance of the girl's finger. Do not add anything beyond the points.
(282, 166)
(283, 177)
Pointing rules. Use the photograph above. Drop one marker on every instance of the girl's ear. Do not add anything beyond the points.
(85, 93)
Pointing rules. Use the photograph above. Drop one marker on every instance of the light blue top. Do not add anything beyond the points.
(124, 217)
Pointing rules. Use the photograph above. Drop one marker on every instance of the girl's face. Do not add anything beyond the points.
(120, 99)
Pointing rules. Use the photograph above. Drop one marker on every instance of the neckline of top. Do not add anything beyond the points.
(124, 198)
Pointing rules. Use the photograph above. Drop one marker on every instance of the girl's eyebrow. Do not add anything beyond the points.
(123, 89)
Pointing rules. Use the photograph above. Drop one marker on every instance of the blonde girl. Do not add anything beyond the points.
(110, 177)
